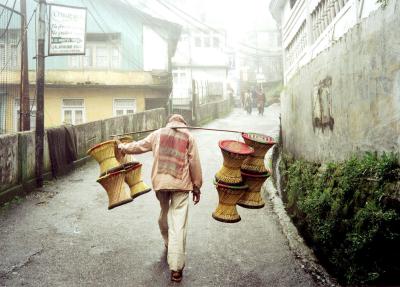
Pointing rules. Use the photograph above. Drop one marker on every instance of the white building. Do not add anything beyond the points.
(200, 66)
(311, 26)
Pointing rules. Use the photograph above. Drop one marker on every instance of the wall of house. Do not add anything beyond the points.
(347, 99)
(155, 50)
(197, 48)
(125, 22)
(17, 151)
(98, 102)
(312, 26)
(98, 89)
(203, 58)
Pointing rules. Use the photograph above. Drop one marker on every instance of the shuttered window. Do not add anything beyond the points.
(124, 106)
(73, 111)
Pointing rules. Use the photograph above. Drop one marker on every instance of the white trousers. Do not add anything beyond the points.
(173, 225)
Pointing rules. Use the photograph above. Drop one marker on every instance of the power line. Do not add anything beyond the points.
(4, 8)
(9, 20)
(128, 59)
(143, 16)
(103, 30)
(168, 6)
(19, 41)
(147, 18)
(187, 15)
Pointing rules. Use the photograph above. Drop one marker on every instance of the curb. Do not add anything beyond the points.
(302, 252)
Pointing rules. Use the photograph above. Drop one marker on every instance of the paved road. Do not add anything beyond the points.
(65, 236)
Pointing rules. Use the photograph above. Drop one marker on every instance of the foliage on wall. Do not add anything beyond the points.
(349, 212)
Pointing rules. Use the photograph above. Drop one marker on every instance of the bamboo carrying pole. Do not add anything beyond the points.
(188, 127)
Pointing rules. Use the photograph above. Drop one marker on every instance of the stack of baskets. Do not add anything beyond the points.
(115, 171)
(253, 169)
(242, 175)
(228, 180)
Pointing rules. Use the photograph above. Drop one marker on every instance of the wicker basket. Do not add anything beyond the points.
(133, 177)
(104, 154)
(252, 198)
(234, 153)
(261, 144)
(254, 164)
(228, 197)
(114, 184)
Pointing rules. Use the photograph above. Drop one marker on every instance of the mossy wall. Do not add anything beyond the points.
(349, 213)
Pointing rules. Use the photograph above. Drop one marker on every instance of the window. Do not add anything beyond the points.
(124, 106)
(9, 56)
(115, 58)
(87, 59)
(2, 55)
(183, 77)
(14, 56)
(179, 77)
(73, 111)
(101, 57)
(206, 41)
(197, 42)
(215, 42)
(75, 61)
(32, 109)
(3, 100)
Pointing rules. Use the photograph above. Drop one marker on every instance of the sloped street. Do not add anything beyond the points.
(65, 236)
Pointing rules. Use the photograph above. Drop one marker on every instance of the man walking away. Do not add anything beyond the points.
(176, 171)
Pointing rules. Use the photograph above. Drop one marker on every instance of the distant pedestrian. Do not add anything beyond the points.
(254, 97)
(176, 171)
(260, 101)
(248, 103)
(242, 97)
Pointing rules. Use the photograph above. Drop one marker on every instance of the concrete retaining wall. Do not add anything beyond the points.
(211, 111)
(347, 100)
(9, 161)
(17, 151)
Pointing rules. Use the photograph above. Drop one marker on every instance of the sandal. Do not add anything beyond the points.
(176, 276)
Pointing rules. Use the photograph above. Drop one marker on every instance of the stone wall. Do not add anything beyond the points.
(9, 161)
(17, 151)
(347, 100)
(211, 111)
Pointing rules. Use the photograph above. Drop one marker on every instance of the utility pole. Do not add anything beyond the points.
(24, 115)
(40, 93)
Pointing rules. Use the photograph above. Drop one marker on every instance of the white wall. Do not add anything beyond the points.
(209, 74)
(194, 59)
(310, 41)
(182, 86)
(155, 51)
(187, 52)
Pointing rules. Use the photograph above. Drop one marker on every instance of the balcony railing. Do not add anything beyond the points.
(323, 14)
(296, 46)
(311, 27)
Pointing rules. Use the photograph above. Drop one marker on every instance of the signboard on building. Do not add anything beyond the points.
(67, 30)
